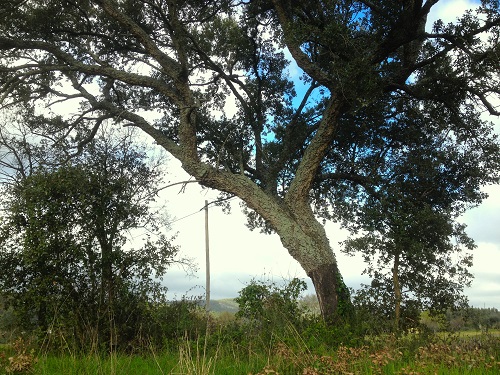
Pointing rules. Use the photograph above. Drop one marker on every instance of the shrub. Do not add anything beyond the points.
(267, 302)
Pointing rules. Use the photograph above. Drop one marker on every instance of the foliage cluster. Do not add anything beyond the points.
(68, 269)
(271, 304)
(471, 318)
(482, 318)
(375, 310)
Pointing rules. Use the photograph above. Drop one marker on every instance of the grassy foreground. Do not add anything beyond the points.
(408, 355)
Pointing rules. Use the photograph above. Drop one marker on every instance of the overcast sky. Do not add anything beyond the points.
(237, 254)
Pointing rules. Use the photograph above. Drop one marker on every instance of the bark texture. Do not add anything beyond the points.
(332, 293)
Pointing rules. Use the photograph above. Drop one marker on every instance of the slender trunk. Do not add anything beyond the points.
(108, 288)
(397, 293)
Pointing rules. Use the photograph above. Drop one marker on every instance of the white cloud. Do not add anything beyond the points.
(483, 222)
(449, 10)
(485, 289)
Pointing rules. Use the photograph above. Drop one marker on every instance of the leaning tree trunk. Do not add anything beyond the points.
(307, 242)
(300, 233)
(290, 215)
(333, 295)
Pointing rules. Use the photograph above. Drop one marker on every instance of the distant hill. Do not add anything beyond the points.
(224, 305)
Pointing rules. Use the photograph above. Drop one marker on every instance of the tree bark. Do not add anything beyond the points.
(333, 295)
(300, 233)
(306, 241)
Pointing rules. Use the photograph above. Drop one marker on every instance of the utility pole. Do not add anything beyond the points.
(207, 262)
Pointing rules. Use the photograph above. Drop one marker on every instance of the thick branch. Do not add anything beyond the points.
(171, 67)
(313, 155)
(71, 64)
(294, 45)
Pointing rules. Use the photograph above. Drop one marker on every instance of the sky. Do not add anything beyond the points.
(238, 255)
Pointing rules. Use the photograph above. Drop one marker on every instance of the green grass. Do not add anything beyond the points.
(96, 365)
(405, 356)
(166, 363)
(475, 333)
(464, 353)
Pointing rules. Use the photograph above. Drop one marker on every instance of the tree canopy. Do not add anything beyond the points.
(390, 112)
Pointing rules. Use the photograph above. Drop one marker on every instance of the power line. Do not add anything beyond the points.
(191, 214)
(201, 209)
(184, 217)
(169, 223)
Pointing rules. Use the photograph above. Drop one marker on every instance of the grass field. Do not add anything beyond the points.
(465, 353)
(222, 343)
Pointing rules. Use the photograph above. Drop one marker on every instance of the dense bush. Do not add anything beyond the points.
(69, 268)
(270, 304)
(270, 315)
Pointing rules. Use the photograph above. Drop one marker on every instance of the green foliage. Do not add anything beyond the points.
(322, 338)
(271, 309)
(375, 310)
(267, 302)
(176, 321)
(473, 318)
(66, 270)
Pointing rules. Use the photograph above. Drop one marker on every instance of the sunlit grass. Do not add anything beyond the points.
(120, 364)
(160, 364)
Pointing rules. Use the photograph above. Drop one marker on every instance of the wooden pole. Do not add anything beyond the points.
(207, 262)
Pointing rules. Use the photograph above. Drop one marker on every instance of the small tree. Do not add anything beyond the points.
(64, 258)
(416, 262)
